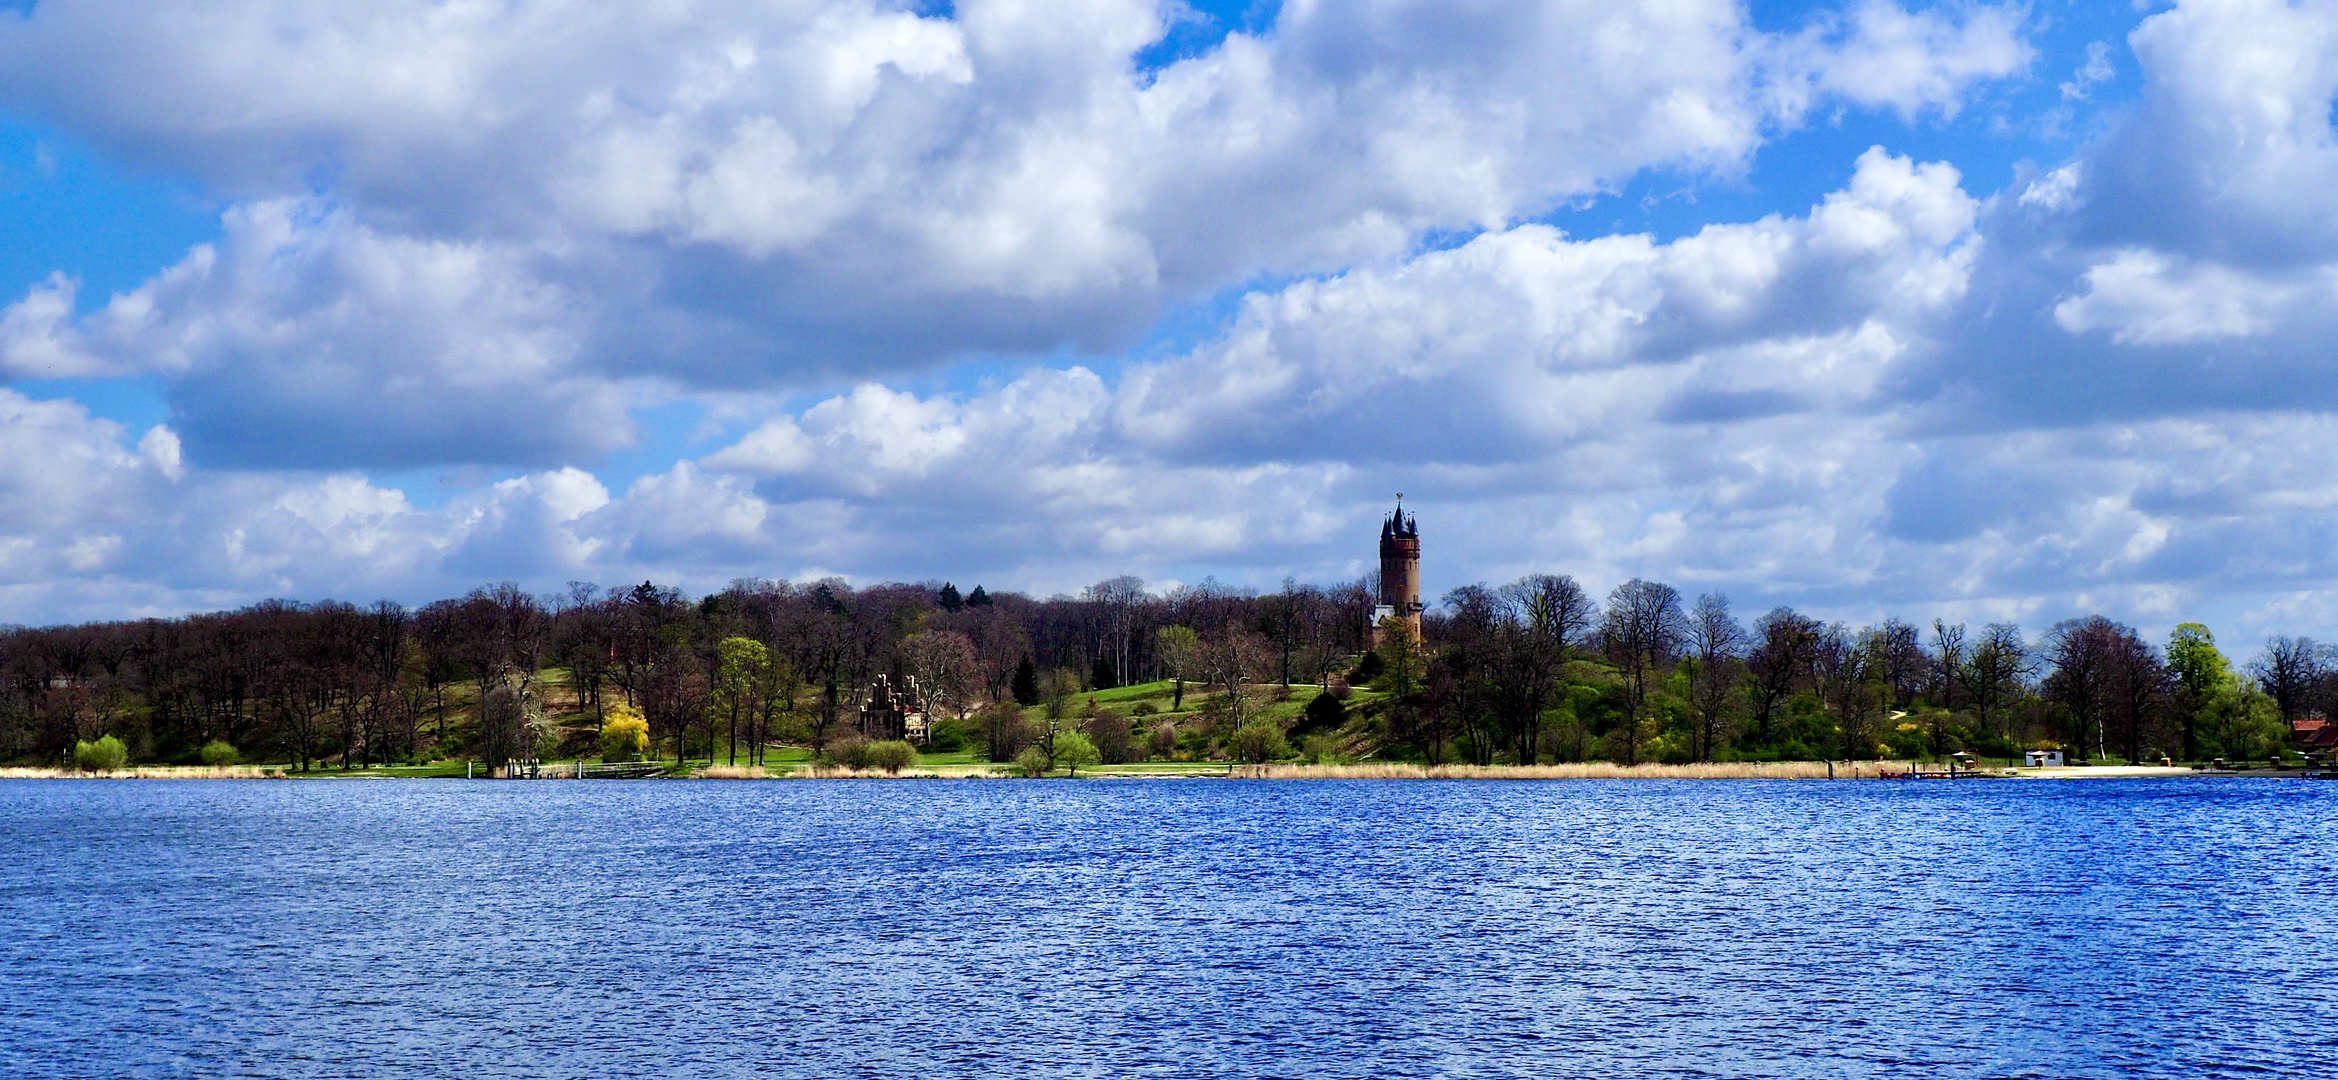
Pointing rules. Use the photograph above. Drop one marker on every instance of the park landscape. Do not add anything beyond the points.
(768, 679)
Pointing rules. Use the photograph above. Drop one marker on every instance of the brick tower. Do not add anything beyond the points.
(1400, 572)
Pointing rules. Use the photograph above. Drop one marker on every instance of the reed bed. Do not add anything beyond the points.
(1588, 770)
(734, 772)
(148, 772)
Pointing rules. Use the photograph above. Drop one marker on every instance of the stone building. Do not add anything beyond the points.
(1400, 572)
(894, 712)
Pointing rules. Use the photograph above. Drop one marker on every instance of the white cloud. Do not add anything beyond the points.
(725, 192)
(2106, 385)
(2144, 298)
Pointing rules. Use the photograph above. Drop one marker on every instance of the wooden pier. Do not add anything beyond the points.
(612, 770)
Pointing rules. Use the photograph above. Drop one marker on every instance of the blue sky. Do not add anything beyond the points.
(1970, 310)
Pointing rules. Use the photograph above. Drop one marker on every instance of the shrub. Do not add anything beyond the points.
(1073, 750)
(624, 734)
(1325, 711)
(1260, 741)
(105, 755)
(892, 755)
(950, 736)
(1113, 738)
(1145, 708)
(851, 751)
(219, 753)
(1033, 761)
(1368, 669)
(1164, 740)
(1318, 749)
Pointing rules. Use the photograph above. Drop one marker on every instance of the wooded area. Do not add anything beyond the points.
(1533, 671)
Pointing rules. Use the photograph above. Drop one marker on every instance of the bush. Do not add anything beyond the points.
(892, 755)
(218, 753)
(1164, 740)
(624, 734)
(1033, 761)
(1260, 741)
(1326, 711)
(950, 736)
(1368, 669)
(851, 751)
(1145, 708)
(1113, 737)
(1318, 749)
(1073, 750)
(105, 755)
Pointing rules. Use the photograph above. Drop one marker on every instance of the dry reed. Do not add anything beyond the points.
(148, 772)
(1589, 770)
(733, 772)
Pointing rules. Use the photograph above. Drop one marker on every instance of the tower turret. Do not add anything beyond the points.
(1400, 572)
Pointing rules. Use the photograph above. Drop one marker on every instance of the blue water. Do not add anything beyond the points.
(1179, 928)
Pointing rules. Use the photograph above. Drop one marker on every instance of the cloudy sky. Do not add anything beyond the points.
(1978, 310)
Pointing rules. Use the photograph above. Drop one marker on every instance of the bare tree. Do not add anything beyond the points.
(946, 667)
(1948, 672)
(1779, 660)
(2286, 670)
(1179, 650)
(1714, 640)
(1995, 675)
(1641, 633)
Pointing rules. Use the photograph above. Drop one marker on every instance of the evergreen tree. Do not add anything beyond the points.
(1026, 684)
(1100, 674)
(950, 599)
(978, 598)
(1325, 712)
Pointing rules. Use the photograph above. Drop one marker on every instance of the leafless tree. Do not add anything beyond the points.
(1778, 662)
(2286, 670)
(1995, 675)
(1715, 641)
(1641, 633)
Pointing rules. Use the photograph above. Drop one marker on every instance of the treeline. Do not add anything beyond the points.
(1537, 670)
(484, 675)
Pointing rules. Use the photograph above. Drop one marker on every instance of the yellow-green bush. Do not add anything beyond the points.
(624, 734)
(105, 755)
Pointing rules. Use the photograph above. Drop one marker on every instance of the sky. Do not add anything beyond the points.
(1964, 310)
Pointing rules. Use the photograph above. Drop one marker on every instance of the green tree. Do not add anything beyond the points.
(2201, 674)
(740, 676)
(219, 753)
(1400, 656)
(1073, 750)
(1026, 684)
(1034, 761)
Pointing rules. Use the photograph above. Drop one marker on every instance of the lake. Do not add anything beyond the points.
(1173, 928)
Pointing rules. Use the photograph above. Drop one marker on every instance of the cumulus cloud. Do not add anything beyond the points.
(727, 193)
(2104, 386)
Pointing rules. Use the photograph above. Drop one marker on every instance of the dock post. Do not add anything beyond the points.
(1830, 770)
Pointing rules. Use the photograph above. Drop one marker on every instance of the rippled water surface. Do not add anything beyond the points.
(1187, 928)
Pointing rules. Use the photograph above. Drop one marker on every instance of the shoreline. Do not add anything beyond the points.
(1595, 770)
